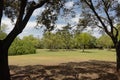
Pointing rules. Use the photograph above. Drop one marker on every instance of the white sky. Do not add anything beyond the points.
(119, 1)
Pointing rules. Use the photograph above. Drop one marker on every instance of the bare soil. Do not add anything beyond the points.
(87, 70)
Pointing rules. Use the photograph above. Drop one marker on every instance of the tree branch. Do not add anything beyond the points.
(21, 13)
(117, 32)
(22, 20)
(109, 19)
(30, 11)
(100, 26)
(91, 6)
(87, 2)
(40, 4)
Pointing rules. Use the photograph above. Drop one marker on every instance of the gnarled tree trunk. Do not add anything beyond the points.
(4, 68)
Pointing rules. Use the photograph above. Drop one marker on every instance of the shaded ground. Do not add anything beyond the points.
(88, 70)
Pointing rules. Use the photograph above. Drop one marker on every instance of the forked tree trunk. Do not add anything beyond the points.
(4, 68)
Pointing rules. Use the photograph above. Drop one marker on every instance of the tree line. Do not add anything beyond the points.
(60, 40)
(64, 38)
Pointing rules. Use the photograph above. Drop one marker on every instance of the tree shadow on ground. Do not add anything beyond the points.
(88, 70)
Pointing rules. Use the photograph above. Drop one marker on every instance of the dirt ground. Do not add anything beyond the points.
(88, 70)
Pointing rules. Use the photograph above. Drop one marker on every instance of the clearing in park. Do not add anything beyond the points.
(64, 65)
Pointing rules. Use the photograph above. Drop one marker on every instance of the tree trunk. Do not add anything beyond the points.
(118, 60)
(4, 68)
(118, 56)
(83, 48)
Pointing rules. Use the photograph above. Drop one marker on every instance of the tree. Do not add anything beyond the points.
(22, 10)
(66, 36)
(52, 41)
(21, 47)
(101, 42)
(34, 41)
(40, 44)
(104, 14)
(49, 40)
(93, 42)
(83, 39)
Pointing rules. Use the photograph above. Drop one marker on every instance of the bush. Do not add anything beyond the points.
(21, 47)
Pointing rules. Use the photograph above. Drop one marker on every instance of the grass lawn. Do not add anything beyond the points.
(47, 57)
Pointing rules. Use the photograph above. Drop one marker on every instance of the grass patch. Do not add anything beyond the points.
(46, 57)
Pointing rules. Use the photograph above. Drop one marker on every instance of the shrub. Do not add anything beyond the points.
(21, 47)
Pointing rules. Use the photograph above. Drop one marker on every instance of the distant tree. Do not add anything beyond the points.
(83, 40)
(31, 39)
(47, 41)
(105, 42)
(21, 47)
(40, 44)
(52, 41)
(93, 42)
(66, 36)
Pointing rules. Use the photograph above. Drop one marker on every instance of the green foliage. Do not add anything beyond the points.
(60, 40)
(52, 41)
(20, 47)
(40, 44)
(66, 37)
(93, 42)
(104, 41)
(83, 40)
(34, 41)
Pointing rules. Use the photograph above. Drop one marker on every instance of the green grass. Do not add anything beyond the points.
(47, 57)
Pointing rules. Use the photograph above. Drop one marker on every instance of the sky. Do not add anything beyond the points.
(30, 27)
(119, 1)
